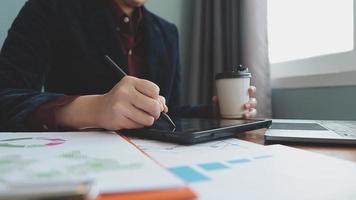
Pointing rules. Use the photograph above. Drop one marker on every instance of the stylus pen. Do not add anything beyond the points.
(117, 68)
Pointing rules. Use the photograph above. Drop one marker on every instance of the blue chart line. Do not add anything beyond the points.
(239, 161)
(213, 166)
(189, 174)
(262, 157)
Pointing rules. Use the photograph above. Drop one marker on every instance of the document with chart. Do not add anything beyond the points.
(234, 168)
(112, 162)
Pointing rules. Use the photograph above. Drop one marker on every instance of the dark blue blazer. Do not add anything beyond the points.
(59, 45)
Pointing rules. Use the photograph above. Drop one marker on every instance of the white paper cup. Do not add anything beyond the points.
(232, 91)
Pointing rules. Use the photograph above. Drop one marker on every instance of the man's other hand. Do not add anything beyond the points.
(250, 106)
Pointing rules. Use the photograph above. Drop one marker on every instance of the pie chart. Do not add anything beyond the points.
(31, 142)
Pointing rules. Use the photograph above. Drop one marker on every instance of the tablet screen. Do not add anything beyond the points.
(194, 124)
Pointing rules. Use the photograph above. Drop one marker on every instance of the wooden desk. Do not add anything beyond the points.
(342, 152)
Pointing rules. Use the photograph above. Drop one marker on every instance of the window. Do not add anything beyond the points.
(310, 37)
(307, 28)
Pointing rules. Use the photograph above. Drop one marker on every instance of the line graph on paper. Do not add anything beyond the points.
(221, 145)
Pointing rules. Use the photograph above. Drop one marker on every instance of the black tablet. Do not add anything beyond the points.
(197, 130)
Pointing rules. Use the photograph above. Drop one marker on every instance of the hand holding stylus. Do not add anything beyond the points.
(147, 88)
(132, 103)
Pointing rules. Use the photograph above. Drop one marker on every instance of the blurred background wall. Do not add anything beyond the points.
(327, 103)
(8, 12)
(179, 12)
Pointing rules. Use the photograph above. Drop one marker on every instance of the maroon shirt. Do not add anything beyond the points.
(131, 35)
(131, 32)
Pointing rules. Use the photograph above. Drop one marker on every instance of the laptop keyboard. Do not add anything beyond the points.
(342, 128)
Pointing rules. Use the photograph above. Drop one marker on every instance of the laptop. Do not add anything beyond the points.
(313, 131)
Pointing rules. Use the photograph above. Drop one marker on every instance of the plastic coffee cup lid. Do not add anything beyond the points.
(238, 72)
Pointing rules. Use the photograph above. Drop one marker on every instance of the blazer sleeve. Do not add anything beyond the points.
(25, 59)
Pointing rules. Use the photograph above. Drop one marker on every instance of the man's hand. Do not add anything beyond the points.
(250, 107)
(132, 103)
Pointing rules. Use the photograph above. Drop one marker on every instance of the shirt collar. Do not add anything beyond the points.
(136, 17)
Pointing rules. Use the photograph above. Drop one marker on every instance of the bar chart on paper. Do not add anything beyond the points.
(204, 171)
(199, 163)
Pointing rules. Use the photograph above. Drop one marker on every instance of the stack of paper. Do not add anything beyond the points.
(235, 169)
(112, 162)
(226, 169)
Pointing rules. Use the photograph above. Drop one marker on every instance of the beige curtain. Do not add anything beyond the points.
(227, 33)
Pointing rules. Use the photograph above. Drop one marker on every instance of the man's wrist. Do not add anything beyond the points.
(82, 113)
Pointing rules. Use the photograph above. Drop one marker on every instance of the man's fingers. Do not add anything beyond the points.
(163, 102)
(251, 113)
(140, 117)
(215, 100)
(251, 104)
(252, 90)
(147, 88)
(129, 124)
(162, 99)
(149, 105)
